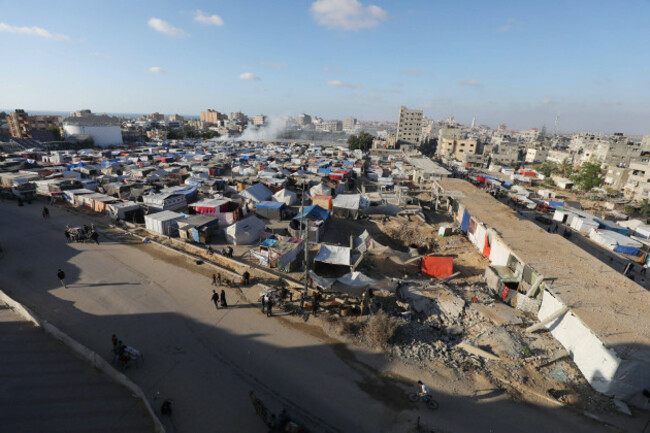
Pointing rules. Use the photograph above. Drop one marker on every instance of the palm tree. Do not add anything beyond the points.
(644, 208)
(565, 168)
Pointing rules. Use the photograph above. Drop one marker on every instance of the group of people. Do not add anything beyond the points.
(219, 299)
(76, 234)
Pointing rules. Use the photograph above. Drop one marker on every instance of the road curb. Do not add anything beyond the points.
(85, 353)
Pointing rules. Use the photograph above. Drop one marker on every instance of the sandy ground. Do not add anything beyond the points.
(208, 360)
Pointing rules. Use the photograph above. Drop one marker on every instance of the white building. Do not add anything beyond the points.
(104, 130)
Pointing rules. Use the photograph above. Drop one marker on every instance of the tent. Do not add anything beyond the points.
(256, 193)
(324, 201)
(320, 189)
(245, 232)
(164, 223)
(348, 205)
(285, 196)
(334, 255)
(128, 211)
(615, 241)
(437, 266)
(313, 213)
(272, 210)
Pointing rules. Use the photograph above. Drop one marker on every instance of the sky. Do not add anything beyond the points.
(513, 62)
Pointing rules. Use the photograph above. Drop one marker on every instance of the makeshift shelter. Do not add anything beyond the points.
(280, 252)
(245, 232)
(273, 210)
(164, 223)
(165, 201)
(437, 266)
(615, 241)
(313, 213)
(324, 201)
(285, 196)
(320, 189)
(348, 205)
(128, 211)
(336, 259)
(256, 193)
(199, 228)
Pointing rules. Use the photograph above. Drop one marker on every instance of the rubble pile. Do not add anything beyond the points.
(410, 233)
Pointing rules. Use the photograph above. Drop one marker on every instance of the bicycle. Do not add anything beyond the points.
(426, 398)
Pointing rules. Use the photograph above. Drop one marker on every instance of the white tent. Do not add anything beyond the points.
(320, 189)
(164, 223)
(334, 255)
(245, 232)
(256, 193)
(285, 196)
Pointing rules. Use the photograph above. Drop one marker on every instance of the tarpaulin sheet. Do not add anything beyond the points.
(437, 266)
(464, 225)
(487, 248)
(269, 205)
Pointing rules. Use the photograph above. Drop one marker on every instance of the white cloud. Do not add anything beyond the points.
(248, 76)
(32, 31)
(331, 69)
(469, 83)
(339, 83)
(506, 27)
(412, 71)
(545, 101)
(164, 27)
(276, 66)
(213, 20)
(347, 14)
(156, 69)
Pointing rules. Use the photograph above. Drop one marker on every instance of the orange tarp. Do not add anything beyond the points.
(437, 266)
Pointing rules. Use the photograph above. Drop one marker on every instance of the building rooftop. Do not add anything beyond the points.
(614, 307)
(428, 166)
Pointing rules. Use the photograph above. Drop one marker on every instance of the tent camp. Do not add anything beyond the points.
(256, 193)
(199, 228)
(353, 283)
(273, 210)
(245, 232)
(285, 196)
(615, 241)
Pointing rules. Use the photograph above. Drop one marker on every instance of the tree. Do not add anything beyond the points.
(588, 177)
(56, 131)
(644, 208)
(547, 168)
(565, 168)
(362, 141)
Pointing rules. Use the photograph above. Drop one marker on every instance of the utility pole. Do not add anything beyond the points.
(306, 254)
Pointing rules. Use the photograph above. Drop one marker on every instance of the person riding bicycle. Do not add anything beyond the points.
(422, 388)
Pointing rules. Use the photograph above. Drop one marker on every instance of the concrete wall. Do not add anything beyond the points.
(97, 361)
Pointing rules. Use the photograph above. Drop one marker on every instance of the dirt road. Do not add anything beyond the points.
(208, 360)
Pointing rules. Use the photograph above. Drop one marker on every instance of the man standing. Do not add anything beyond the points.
(269, 307)
(61, 275)
(215, 298)
(264, 298)
(247, 277)
(214, 280)
(95, 236)
(224, 304)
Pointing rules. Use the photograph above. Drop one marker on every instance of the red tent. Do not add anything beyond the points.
(437, 266)
(480, 179)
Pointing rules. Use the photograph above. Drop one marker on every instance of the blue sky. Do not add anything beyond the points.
(517, 62)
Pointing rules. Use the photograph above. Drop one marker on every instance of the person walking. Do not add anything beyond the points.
(46, 212)
(247, 277)
(215, 298)
(263, 302)
(67, 236)
(218, 278)
(269, 307)
(214, 280)
(224, 304)
(95, 236)
(61, 275)
(314, 305)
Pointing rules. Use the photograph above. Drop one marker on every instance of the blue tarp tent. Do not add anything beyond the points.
(555, 204)
(314, 212)
(324, 171)
(270, 209)
(464, 226)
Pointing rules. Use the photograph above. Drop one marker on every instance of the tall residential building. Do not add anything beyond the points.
(259, 120)
(238, 116)
(349, 124)
(211, 116)
(18, 124)
(303, 119)
(409, 126)
(156, 116)
(176, 118)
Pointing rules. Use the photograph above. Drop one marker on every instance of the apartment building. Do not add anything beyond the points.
(211, 116)
(637, 186)
(259, 120)
(454, 143)
(409, 126)
(18, 124)
(535, 156)
(350, 124)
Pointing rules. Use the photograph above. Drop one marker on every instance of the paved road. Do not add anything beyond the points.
(45, 388)
(208, 360)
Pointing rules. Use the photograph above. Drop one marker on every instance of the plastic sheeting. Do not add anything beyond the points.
(285, 196)
(245, 232)
(437, 266)
(334, 254)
